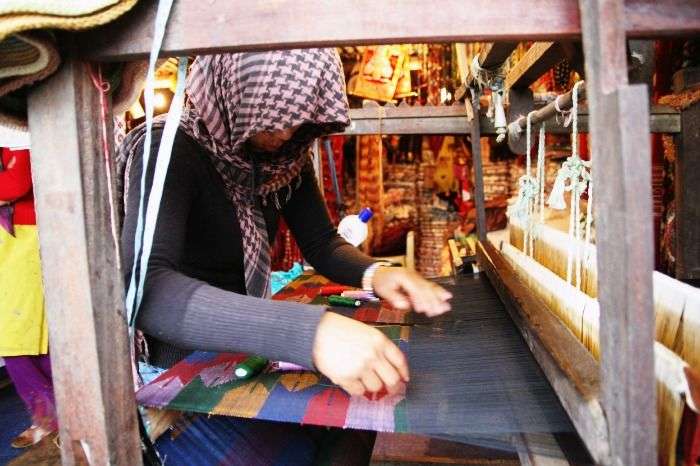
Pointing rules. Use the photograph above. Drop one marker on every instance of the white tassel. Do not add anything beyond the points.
(556, 197)
(499, 122)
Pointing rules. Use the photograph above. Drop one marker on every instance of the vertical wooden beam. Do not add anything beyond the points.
(687, 192)
(621, 154)
(82, 278)
(478, 173)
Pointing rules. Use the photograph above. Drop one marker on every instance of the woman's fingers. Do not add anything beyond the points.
(426, 297)
(353, 387)
(389, 376)
(356, 356)
(396, 298)
(371, 381)
(397, 359)
(406, 289)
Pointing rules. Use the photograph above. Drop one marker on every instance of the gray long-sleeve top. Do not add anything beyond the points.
(194, 296)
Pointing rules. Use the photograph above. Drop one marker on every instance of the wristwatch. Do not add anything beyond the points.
(368, 275)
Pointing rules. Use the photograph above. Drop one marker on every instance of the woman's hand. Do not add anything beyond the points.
(405, 289)
(2, 203)
(358, 357)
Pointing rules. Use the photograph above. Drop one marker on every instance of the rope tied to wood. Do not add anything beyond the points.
(574, 176)
(530, 188)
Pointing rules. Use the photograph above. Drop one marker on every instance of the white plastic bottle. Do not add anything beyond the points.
(353, 228)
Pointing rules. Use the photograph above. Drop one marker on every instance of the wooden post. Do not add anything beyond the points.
(621, 155)
(82, 279)
(687, 193)
(478, 173)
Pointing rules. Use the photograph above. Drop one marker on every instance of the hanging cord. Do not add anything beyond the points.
(103, 89)
(523, 208)
(540, 172)
(134, 292)
(573, 176)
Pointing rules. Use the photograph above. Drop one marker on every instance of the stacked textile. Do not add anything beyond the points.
(400, 213)
(435, 224)
(28, 57)
(369, 185)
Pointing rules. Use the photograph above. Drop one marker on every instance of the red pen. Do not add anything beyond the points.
(328, 290)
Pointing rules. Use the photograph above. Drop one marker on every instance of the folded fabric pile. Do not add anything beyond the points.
(28, 54)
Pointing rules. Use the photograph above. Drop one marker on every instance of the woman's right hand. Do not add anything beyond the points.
(357, 357)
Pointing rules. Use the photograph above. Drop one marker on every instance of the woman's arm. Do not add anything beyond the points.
(191, 314)
(16, 178)
(308, 219)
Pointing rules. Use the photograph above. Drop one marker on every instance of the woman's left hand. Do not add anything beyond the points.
(405, 289)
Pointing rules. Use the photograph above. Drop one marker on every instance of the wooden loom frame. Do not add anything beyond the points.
(613, 408)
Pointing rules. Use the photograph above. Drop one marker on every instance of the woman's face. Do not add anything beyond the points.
(271, 141)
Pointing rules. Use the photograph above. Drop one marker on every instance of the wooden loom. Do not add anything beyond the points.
(610, 402)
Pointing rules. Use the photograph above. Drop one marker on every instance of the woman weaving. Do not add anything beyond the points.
(239, 163)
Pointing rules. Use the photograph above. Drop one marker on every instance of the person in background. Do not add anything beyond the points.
(23, 329)
(240, 162)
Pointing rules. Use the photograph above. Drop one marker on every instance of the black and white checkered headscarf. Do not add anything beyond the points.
(234, 96)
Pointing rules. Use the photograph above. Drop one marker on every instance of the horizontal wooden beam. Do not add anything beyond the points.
(491, 56)
(569, 367)
(237, 25)
(495, 53)
(453, 120)
(539, 59)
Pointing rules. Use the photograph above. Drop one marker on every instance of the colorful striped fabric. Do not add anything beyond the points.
(471, 375)
(205, 382)
(305, 289)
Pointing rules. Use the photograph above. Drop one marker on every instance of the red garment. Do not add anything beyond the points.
(16, 185)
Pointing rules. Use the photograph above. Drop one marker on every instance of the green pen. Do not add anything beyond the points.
(336, 300)
(252, 365)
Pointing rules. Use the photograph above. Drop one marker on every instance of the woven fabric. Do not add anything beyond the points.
(11, 23)
(306, 288)
(471, 375)
(55, 7)
(235, 96)
(205, 382)
(26, 59)
(30, 50)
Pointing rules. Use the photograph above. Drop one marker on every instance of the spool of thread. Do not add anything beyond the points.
(336, 300)
(329, 290)
(359, 294)
(251, 366)
(282, 366)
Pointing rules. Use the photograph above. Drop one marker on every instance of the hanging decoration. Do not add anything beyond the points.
(380, 71)
(574, 177)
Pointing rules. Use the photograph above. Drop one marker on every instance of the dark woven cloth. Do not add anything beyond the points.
(234, 96)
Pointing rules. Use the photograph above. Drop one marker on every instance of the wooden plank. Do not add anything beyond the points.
(490, 57)
(569, 367)
(453, 119)
(687, 194)
(235, 25)
(530, 456)
(494, 54)
(624, 238)
(479, 198)
(83, 282)
(538, 59)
